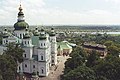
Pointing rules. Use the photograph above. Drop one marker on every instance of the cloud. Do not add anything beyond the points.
(113, 1)
(37, 12)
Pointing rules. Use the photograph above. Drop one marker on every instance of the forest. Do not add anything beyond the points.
(82, 66)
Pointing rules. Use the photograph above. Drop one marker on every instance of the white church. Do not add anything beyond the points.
(40, 47)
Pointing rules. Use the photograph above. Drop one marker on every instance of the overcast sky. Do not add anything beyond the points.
(44, 12)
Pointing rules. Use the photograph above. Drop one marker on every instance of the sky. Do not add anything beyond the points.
(62, 12)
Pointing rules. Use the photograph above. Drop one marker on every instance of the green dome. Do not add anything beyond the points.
(42, 37)
(6, 35)
(36, 33)
(52, 33)
(20, 25)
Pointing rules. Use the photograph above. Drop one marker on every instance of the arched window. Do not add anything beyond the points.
(23, 34)
(44, 44)
(41, 57)
(25, 55)
(26, 65)
(28, 42)
(25, 42)
(41, 44)
(19, 68)
(52, 61)
(33, 66)
(20, 36)
(42, 71)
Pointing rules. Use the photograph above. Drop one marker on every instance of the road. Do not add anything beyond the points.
(55, 75)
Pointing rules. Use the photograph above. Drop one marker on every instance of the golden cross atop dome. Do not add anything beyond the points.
(20, 8)
(20, 2)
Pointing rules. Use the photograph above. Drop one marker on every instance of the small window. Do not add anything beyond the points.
(6, 40)
(33, 66)
(23, 34)
(41, 57)
(41, 44)
(28, 42)
(26, 65)
(25, 55)
(20, 36)
(44, 44)
(19, 68)
(25, 42)
(52, 61)
(42, 71)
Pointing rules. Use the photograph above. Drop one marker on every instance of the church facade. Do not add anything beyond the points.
(39, 46)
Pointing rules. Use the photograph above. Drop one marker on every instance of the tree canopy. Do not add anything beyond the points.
(9, 61)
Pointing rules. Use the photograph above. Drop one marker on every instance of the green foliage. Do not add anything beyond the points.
(15, 52)
(78, 58)
(113, 48)
(108, 43)
(102, 69)
(80, 73)
(9, 60)
(108, 68)
(92, 59)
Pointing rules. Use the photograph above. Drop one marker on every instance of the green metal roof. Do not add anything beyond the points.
(21, 25)
(35, 40)
(63, 45)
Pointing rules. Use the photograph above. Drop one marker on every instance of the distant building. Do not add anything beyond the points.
(40, 47)
(64, 48)
(101, 49)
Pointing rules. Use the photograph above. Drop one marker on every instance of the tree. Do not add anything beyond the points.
(15, 51)
(9, 61)
(77, 59)
(114, 50)
(109, 68)
(80, 73)
(108, 43)
(92, 59)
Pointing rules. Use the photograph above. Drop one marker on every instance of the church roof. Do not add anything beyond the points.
(63, 45)
(21, 25)
(52, 33)
(35, 40)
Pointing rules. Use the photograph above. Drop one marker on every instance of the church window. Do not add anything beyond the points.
(33, 66)
(52, 61)
(41, 57)
(19, 68)
(23, 34)
(41, 44)
(25, 55)
(26, 65)
(42, 71)
(25, 42)
(20, 36)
